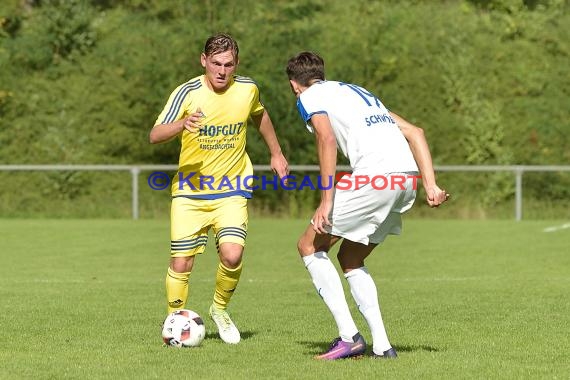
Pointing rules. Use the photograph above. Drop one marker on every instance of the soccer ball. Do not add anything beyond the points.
(183, 328)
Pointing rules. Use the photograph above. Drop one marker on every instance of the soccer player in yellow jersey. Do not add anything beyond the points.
(210, 114)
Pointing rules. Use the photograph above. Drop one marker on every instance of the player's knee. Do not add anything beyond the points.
(230, 255)
(305, 248)
(231, 262)
(182, 264)
(308, 247)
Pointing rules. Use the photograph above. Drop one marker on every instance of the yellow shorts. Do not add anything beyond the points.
(191, 219)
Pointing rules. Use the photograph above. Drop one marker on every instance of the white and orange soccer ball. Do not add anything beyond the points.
(183, 328)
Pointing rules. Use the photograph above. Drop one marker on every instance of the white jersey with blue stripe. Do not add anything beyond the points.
(365, 132)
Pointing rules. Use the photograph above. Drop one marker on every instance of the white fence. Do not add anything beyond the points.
(135, 170)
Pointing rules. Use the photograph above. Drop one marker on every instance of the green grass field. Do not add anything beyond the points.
(460, 299)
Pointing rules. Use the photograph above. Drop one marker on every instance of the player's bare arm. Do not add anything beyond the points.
(161, 133)
(265, 127)
(327, 150)
(420, 149)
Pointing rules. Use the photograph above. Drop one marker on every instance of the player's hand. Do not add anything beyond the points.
(279, 165)
(193, 122)
(320, 221)
(436, 196)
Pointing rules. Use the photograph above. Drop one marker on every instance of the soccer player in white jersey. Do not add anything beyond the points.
(210, 115)
(385, 152)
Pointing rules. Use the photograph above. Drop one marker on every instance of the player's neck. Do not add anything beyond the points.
(304, 88)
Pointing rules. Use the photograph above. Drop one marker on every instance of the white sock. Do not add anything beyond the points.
(365, 294)
(328, 285)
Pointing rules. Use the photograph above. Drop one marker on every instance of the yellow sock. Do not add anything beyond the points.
(226, 283)
(176, 289)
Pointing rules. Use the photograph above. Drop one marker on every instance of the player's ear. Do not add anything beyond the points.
(295, 87)
(203, 59)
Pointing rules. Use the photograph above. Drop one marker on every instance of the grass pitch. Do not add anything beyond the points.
(460, 299)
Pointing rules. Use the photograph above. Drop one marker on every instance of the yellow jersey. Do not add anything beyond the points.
(213, 162)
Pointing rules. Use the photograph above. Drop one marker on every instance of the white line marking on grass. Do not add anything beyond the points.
(556, 228)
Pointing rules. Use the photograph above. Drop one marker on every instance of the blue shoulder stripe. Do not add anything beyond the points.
(179, 98)
(304, 115)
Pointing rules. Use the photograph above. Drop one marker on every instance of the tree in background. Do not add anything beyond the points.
(82, 81)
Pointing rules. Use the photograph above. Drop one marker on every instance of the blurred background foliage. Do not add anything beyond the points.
(82, 82)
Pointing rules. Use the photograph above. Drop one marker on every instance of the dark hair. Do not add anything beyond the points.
(220, 43)
(306, 67)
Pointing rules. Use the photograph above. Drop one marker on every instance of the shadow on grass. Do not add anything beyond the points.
(415, 347)
(244, 335)
(316, 348)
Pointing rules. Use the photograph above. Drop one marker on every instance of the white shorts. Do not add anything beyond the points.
(368, 212)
